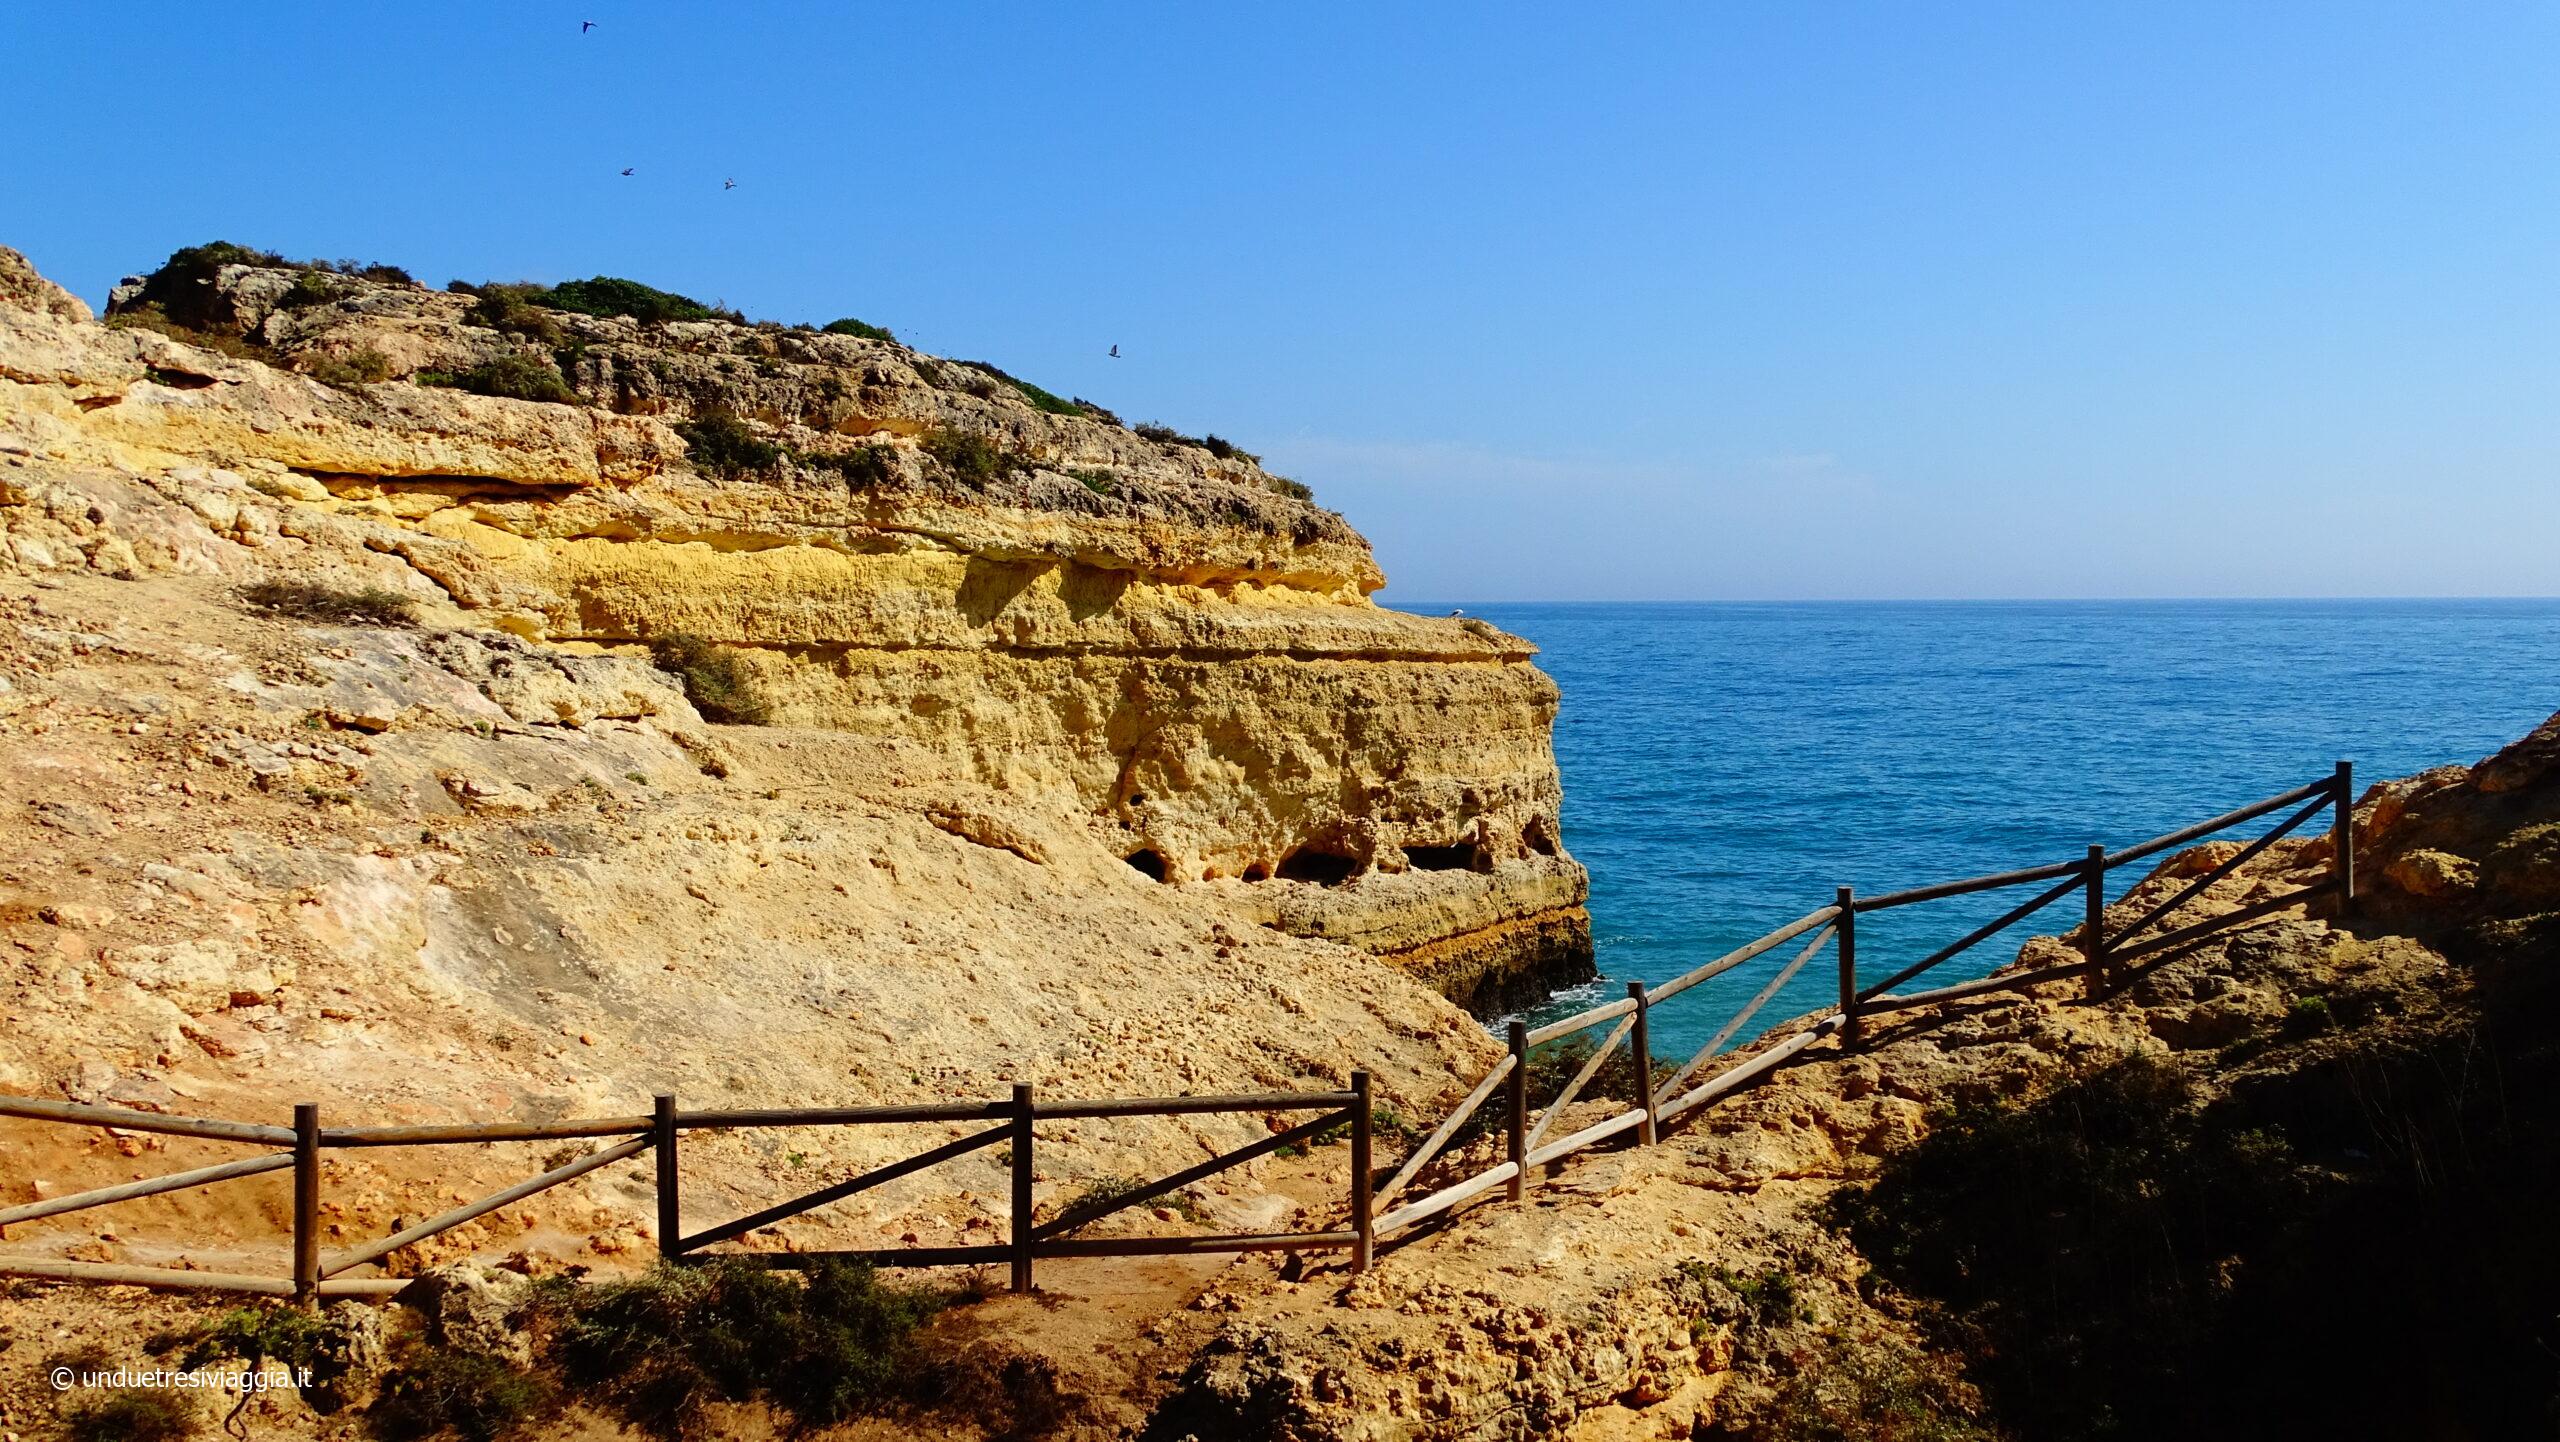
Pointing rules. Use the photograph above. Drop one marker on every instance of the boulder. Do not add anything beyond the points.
(474, 1307)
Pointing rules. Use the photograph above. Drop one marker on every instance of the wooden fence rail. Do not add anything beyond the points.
(1369, 1211)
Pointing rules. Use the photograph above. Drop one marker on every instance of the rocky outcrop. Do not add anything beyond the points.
(1156, 634)
(1702, 1287)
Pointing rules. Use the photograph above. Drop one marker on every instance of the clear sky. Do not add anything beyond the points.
(1713, 299)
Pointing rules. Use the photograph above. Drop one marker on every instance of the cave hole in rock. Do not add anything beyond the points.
(1257, 872)
(1149, 861)
(1541, 836)
(1440, 858)
(1325, 868)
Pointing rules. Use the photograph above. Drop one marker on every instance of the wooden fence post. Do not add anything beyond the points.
(662, 1130)
(1850, 1031)
(1640, 1046)
(1022, 1115)
(2098, 979)
(1363, 1225)
(2342, 838)
(306, 1204)
(1518, 1093)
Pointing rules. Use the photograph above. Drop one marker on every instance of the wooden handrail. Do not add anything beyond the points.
(1447, 1197)
(172, 1279)
(483, 1132)
(2184, 834)
(1440, 1134)
(1911, 896)
(1598, 1131)
(1978, 935)
(811, 1201)
(149, 1186)
(1582, 1078)
(1741, 954)
(1196, 1105)
(1996, 982)
(1725, 1033)
(1091, 1212)
(125, 1119)
(376, 1251)
(1751, 1068)
(2228, 919)
(840, 1116)
(1581, 1021)
(2236, 861)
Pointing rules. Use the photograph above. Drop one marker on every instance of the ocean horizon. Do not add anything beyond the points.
(1728, 764)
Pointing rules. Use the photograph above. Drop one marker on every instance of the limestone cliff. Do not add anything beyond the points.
(1113, 782)
(1151, 634)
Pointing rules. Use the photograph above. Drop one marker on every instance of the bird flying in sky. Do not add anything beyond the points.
(585, 25)
(728, 185)
(627, 170)
(1115, 352)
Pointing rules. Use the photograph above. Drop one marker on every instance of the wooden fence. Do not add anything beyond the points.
(2106, 961)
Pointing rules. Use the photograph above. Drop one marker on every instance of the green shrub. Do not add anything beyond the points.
(1227, 450)
(362, 367)
(256, 1335)
(726, 446)
(659, 1348)
(1168, 436)
(970, 458)
(862, 467)
(1006, 1398)
(477, 1398)
(1100, 482)
(149, 316)
(1095, 411)
(1871, 1389)
(516, 377)
(504, 305)
(1296, 490)
(719, 686)
(370, 606)
(610, 295)
(1105, 1190)
(511, 309)
(1044, 400)
(2078, 1242)
(310, 288)
(132, 1415)
(849, 326)
(182, 287)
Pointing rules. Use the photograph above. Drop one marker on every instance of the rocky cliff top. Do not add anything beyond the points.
(836, 425)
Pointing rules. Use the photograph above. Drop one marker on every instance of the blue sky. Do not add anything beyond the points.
(1704, 300)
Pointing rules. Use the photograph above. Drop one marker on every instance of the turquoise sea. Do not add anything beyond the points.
(1727, 766)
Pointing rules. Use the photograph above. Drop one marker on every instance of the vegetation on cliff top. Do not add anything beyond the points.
(182, 300)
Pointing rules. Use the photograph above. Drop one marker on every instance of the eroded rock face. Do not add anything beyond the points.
(1160, 636)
